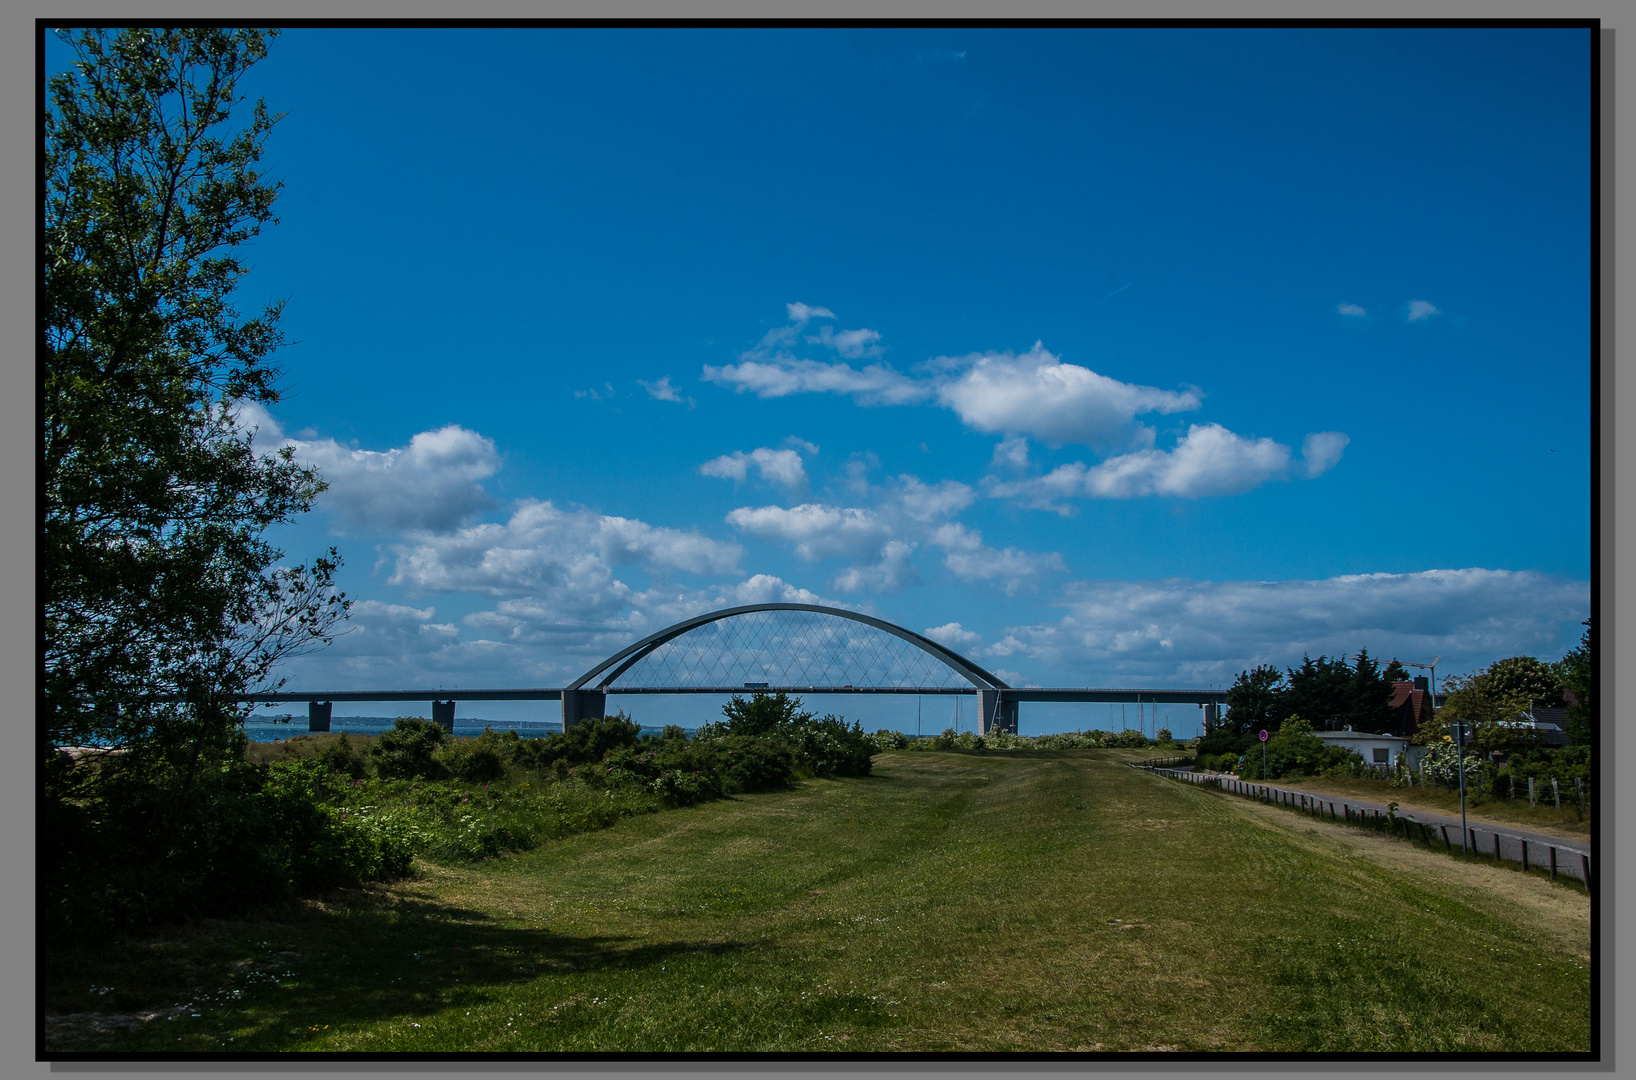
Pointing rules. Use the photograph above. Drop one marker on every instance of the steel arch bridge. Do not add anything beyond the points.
(804, 648)
(779, 647)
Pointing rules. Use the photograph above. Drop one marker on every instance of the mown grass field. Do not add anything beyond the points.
(1052, 901)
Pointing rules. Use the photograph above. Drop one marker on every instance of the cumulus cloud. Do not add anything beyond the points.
(1420, 310)
(1198, 633)
(1321, 450)
(924, 502)
(800, 312)
(816, 530)
(969, 559)
(605, 393)
(783, 375)
(955, 637)
(663, 391)
(894, 571)
(1011, 454)
(781, 467)
(1208, 460)
(1032, 394)
(545, 550)
(1037, 394)
(801, 444)
(851, 344)
(536, 621)
(433, 483)
(1351, 309)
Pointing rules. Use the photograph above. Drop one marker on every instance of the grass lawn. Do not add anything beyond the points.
(1029, 902)
(1480, 809)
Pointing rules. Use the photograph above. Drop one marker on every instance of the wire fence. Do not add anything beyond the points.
(1529, 851)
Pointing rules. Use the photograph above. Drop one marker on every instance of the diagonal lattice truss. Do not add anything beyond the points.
(789, 649)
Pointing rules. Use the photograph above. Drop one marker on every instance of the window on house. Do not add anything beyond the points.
(1381, 755)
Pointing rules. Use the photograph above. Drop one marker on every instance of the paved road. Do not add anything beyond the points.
(1573, 857)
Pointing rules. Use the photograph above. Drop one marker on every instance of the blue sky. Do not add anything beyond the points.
(1110, 357)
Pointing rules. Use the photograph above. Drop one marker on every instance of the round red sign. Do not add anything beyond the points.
(1263, 734)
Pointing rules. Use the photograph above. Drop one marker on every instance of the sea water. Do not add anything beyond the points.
(270, 729)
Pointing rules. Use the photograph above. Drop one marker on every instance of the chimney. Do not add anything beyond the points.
(1420, 682)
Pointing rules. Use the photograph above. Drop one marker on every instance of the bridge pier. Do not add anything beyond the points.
(443, 715)
(318, 715)
(580, 705)
(995, 713)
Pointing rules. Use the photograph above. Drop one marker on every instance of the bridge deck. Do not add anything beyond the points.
(1154, 695)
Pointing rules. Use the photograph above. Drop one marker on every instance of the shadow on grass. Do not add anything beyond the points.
(273, 983)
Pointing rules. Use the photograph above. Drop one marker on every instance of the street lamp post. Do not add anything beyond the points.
(1459, 729)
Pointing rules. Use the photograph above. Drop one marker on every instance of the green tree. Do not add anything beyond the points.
(1369, 697)
(1320, 690)
(1253, 701)
(763, 714)
(157, 580)
(1492, 713)
(1527, 678)
(1575, 672)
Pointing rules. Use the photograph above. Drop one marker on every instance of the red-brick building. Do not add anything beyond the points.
(1411, 705)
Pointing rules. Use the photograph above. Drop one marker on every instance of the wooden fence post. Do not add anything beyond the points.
(1496, 846)
(1556, 792)
(1585, 868)
(1531, 801)
(1525, 853)
(1553, 863)
(1446, 843)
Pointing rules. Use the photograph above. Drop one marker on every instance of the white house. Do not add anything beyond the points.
(1373, 749)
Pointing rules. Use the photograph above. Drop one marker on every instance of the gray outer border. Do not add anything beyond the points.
(17, 74)
(630, 654)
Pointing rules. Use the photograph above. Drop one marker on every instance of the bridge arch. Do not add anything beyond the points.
(599, 680)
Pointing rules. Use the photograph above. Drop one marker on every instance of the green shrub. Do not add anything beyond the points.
(147, 847)
(341, 757)
(886, 739)
(588, 741)
(1294, 751)
(409, 750)
(480, 760)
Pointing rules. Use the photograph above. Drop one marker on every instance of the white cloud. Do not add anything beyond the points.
(1198, 633)
(969, 559)
(1208, 460)
(781, 467)
(955, 637)
(546, 551)
(1420, 310)
(923, 502)
(663, 391)
(1011, 454)
(894, 571)
(1321, 450)
(851, 344)
(433, 483)
(1351, 309)
(800, 312)
(816, 530)
(604, 393)
(783, 375)
(1036, 394)
(801, 444)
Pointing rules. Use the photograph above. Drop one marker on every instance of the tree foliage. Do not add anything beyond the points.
(157, 580)
(1527, 678)
(1576, 673)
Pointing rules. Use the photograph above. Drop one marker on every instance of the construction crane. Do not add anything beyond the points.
(1431, 665)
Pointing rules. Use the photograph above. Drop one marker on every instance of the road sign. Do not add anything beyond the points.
(1263, 734)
